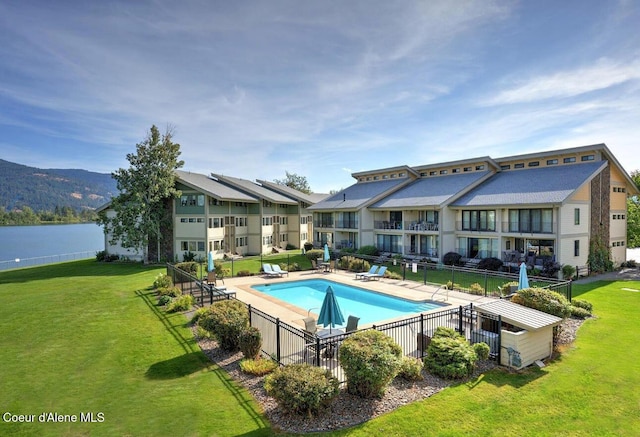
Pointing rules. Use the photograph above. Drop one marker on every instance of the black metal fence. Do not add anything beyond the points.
(288, 344)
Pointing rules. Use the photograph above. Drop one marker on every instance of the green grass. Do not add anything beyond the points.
(253, 264)
(88, 337)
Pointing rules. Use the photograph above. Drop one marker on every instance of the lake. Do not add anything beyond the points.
(48, 242)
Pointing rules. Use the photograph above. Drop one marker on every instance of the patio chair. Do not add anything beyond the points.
(352, 323)
(310, 325)
(377, 275)
(276, 268)
(374, 268)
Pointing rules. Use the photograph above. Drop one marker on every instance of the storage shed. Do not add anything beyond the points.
(526, 333)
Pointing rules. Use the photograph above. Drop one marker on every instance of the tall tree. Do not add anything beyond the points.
(633, 215)
(144, 189)
(292, 180)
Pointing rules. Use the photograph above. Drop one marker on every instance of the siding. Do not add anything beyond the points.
(532, 345)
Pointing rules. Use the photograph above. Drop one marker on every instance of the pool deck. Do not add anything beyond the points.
(394, 287)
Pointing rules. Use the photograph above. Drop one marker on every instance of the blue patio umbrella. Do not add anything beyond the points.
(326, 252)
(330, 313)
(523, 280)
(210, 265)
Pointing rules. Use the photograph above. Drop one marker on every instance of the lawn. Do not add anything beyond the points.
(86, 337)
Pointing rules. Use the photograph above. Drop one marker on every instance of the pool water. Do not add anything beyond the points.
(370, 306)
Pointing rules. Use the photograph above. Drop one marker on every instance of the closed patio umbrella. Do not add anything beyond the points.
(523, 280)
(326, 252)
(330, 313)
(210, 266)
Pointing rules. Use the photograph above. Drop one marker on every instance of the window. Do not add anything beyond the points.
(384, 176)
(569, 160)
(552, 161)
(216, 222)
(192, 200)
(505, 167)
(484, 220)
(587, 158)
(424, 173)
(241, 221)
(443, 172)
(266, 240)
(192, 246)
(393, 176)
(368, 178)
(619, 190)
(467, 169)
(534, 164)
(480, 167)
(402, 174)
(267, 204)
(389, 243)
(455, 170)
(284, 237)
(375, 178)
(214, 202)
(576, 216)
(242, 241)
(267, 221)
(576, 247)
(519, 165)
(303, 236)
(531, 220)
(303, 220)
(433, 173)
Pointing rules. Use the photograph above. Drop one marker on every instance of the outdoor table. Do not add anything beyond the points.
(325, 333)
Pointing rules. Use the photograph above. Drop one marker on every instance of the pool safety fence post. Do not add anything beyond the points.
(485, 283)
(425, 274)
(232, 267)
(404, 271)
(460, 313)
(278, 340)
(453, 270)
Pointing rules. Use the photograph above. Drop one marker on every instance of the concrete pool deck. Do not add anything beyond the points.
(293, 315)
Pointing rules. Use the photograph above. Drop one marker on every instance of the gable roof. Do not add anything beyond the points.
(433, 191)
(540, 185)
(254, 189)
(359, 195)
(212, 187)
(519, 315)
(310, 198)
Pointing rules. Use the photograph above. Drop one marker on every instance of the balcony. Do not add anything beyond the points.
(323, 224)
(475, 227)
(539, 228)
(346, 224)
(421, 226)
(385, 224)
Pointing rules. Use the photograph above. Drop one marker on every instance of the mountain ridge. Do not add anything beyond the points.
(47, 189)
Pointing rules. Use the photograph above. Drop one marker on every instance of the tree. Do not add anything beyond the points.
(633, 215)
(292, 180)
(144, 189)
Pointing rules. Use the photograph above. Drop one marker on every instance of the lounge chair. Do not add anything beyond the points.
(352, 323)
(377, 275)
(268, 270)
(276, 268)
(372, 270)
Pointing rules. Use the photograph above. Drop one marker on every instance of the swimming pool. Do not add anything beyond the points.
(370, 306)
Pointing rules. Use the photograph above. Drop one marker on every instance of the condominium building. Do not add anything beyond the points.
(530, 207)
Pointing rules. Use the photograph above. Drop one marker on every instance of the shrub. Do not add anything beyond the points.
(392, 275)
(180, 303)
(368, 250)
(411, 369)
(244, 273)
(493, 264)
(550, 268)
(579, 313)
(163, 300)
(101, 255)
(476, 288)
(284, 267)
(482, 350)
(313, 255)
(302, 388)
(348, 250)
(170, 291)
(354, 264)
(581, 303)
(202, 333)
(449, 355)
(197, 314)
(250, 342)
(258, 366)
(162, 281)
(631, 263)
(188, 266)
(290, 247)
(308, 246)
(370, 360)
(225, 320)
(543, 300)
(451, 286)
(568, 271)
(452, 259)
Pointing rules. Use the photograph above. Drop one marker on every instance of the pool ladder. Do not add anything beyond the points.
(436, 292)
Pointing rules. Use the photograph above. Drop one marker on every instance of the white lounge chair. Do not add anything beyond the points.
(379, 274)
(276, 268)
(374, 268)
(268, 270)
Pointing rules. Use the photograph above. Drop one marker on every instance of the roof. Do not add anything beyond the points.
(540, 185)
(212, 187)
(310, 198)
(358, 195)
(519, 315)
(255, 189)
(433, 191)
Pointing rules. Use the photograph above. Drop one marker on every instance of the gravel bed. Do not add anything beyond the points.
(347, 410)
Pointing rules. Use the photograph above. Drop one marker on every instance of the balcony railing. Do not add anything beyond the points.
(386, 224)
(421, 226)
(346, 224)
(323, 224)
(475, 227)
(544, 228)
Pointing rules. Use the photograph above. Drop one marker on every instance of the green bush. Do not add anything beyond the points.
(180, 303)
(250, 342)
(163, 300)
(226, 319)
(302, 388)
(581, 303)
(308, 246)
(580, 313)
(543, 300)
(491, 263)
(162, 281)
(411, 369)
(197, 314)
(244, 273)
(169, 291)
(188, 266)
(482, 350)
(370, 360)
(369, 251)
(449, 355)
(290, 247)
(314, 254)
(258, 366)
(476, 288)
(452, 259)
(354, 264)
(568, 271)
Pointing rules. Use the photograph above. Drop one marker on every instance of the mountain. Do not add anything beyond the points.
(46, 189)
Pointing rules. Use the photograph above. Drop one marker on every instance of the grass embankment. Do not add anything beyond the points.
(86, 337)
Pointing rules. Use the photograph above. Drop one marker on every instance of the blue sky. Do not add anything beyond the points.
(321, 89)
